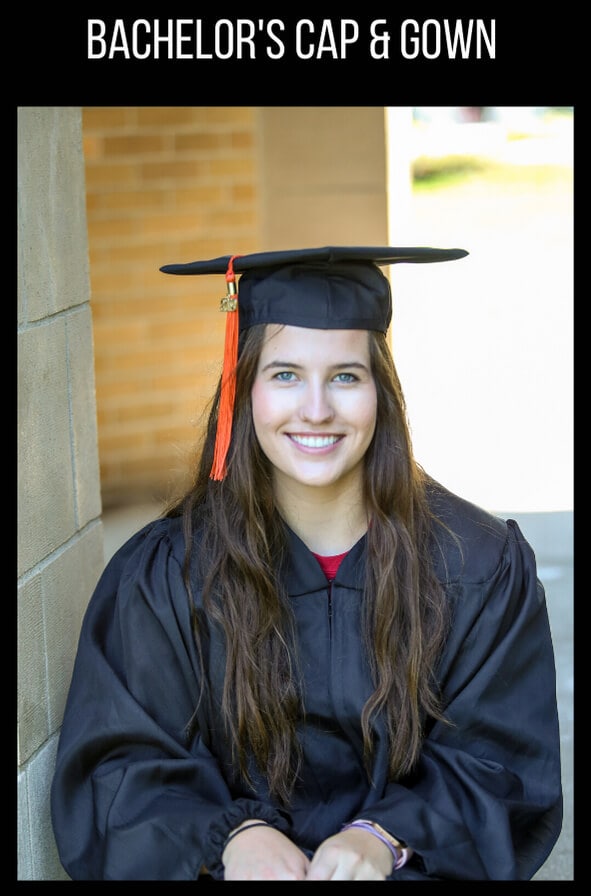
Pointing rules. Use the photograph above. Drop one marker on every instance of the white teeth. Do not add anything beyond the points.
(315, 441)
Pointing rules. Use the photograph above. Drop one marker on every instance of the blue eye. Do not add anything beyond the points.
(284, 376)
(346, 378)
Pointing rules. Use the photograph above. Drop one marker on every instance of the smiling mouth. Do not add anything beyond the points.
(315, 441)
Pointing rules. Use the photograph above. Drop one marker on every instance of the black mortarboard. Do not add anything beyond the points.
(334, 287)
(329, 288)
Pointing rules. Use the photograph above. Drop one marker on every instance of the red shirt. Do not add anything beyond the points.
(330, 565)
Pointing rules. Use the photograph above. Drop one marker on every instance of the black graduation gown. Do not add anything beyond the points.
(133, 800)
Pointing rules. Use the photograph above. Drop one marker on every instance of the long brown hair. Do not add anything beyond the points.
(242, 539)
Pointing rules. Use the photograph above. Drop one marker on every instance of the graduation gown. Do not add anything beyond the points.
(133, 799)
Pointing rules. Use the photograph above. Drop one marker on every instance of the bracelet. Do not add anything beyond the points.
(401, 854)
(253, 824)
(405, 851)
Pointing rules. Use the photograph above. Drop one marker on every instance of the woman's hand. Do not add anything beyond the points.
(353, 854)
(263, 853)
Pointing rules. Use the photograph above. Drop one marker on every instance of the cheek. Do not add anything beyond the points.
(263, 406)
(366, 412)
(371, 425)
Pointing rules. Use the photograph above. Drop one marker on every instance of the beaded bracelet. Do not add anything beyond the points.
(253, 824)
(400, 855)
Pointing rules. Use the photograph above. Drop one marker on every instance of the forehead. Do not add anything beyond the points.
(298, 344)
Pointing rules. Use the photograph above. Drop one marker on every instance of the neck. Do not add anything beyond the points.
(329, 520)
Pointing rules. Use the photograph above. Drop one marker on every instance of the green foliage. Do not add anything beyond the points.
(445, 170)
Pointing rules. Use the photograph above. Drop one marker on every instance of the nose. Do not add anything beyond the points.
(316, 406)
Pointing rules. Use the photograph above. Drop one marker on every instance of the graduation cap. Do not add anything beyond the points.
(328, 288)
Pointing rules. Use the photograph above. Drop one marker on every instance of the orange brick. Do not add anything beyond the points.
(163, 185)
(106, 118)
(232, 115)
(133, 144)
(169, 116)
(175, 170)
(200, 142)
(102, 177)
(240, 167)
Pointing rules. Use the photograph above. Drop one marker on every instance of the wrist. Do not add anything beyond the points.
(400, 851)
(244, 826)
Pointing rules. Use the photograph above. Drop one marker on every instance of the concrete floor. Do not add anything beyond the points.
(551, 536)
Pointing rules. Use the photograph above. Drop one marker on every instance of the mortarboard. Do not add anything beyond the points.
(334, 287)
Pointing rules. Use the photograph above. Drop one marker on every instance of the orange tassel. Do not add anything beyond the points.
(229, 304)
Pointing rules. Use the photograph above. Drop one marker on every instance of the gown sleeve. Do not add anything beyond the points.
(485, 802)
(133, 797)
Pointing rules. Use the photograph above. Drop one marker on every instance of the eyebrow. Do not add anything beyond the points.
(348, 365)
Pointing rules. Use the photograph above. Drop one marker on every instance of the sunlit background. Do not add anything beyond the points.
(484, 346)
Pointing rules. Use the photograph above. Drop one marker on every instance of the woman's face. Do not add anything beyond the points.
(314, 404)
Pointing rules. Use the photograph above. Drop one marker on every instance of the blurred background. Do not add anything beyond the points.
(485, 351)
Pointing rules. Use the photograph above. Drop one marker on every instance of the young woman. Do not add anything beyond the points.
(320, 664)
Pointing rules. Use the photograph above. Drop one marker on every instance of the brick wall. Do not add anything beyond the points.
(163, 185)
(175, 184)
